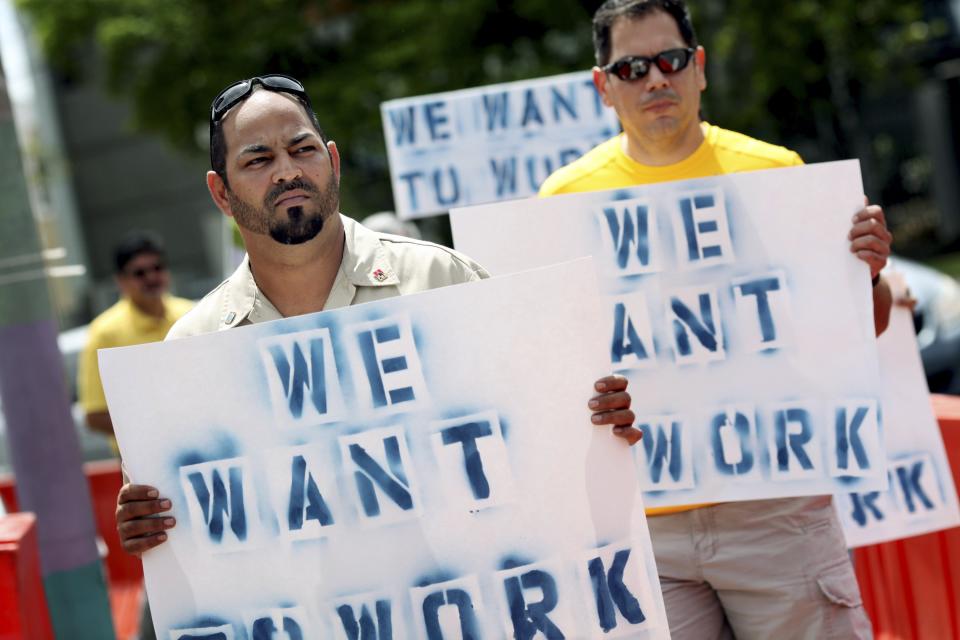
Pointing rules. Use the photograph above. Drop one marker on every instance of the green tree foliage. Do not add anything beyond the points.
(784, 71)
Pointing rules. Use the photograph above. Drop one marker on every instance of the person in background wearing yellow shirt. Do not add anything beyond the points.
(144, 313)
(753, 569)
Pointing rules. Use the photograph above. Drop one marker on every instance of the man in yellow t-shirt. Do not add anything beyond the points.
(753, 569)
(144, 313)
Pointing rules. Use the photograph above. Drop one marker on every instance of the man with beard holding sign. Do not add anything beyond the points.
(275, 172)
(754, 569)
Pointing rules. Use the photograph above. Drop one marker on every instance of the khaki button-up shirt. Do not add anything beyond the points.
(374, 266)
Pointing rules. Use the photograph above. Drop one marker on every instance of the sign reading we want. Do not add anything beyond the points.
(418, 467)
(491, 143)
(738, 312)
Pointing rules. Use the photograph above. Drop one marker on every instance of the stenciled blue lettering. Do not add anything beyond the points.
(364, 627)
(529, 618)
(302, 376)
(531, 110)
(469, 629)
(367, 341)
(403, 125)
(693, 229)
(702, 326)
(504, 175)
(720, 427)
(436, 118)
(661, 448)
(909, 477)
(496, 108)
(760, 288)
(569, 155)
(564, 103)
(532, 174)
(466, 435)
(218, 504)
(609, 590)
(443, 198)
(396, 487)
(863, 505)
(626, 340)
(629, 227)
(410, 178)
(266, 629)
(848, 437)
(304, 491)
(787, 443)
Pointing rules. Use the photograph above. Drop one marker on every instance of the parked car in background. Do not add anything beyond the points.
(936, 319)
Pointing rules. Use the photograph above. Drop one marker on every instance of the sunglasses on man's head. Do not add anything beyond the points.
(236, 92)
(636, 67)
(141, 272)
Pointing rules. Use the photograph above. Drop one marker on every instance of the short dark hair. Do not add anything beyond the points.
(135, 243)
(613, 10)
(218, 143)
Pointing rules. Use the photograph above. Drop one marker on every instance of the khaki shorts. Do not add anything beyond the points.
(758, 569)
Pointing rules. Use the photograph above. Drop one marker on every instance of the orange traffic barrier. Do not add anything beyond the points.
(23, 604)
(124, 572)
(911, 587)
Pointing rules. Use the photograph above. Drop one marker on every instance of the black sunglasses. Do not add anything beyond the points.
(636, 67)
(141, 272)
(236, 92)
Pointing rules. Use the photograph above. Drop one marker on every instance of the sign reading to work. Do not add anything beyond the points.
(418, 467)
(489, 144)
(738, 312)
(922, 497)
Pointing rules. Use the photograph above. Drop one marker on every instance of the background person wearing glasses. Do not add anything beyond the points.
(144, 313)
(754, 569)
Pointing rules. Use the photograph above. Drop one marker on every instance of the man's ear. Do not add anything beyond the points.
(218, 191)
(600, 82)
(334, 158)
(700, 58)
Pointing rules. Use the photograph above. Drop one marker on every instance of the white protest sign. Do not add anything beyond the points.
(739, 314)
(922, 497)
(419, 467)
(491, 143)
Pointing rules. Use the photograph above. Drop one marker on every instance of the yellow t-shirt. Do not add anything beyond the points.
(606, 166)
(122, 325)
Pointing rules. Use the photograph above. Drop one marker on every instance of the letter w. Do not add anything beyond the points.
(215, 504)
(302, 376)
(660, 448)
(629, 226)
(402, 121)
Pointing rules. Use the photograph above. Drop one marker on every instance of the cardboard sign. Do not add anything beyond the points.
(491, 143)
(738, 312)
(922, 497)
(419, 467)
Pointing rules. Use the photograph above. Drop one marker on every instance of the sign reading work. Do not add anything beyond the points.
(419, 467)
(489, 144)
(922, 497)
(738, 312)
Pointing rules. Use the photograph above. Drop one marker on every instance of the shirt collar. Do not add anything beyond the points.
(365, 263)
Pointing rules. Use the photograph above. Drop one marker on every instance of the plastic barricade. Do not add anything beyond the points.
(124, 572)
(23, 605)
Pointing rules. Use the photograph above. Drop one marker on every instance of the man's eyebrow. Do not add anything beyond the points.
(255, 148)
(300, 138)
